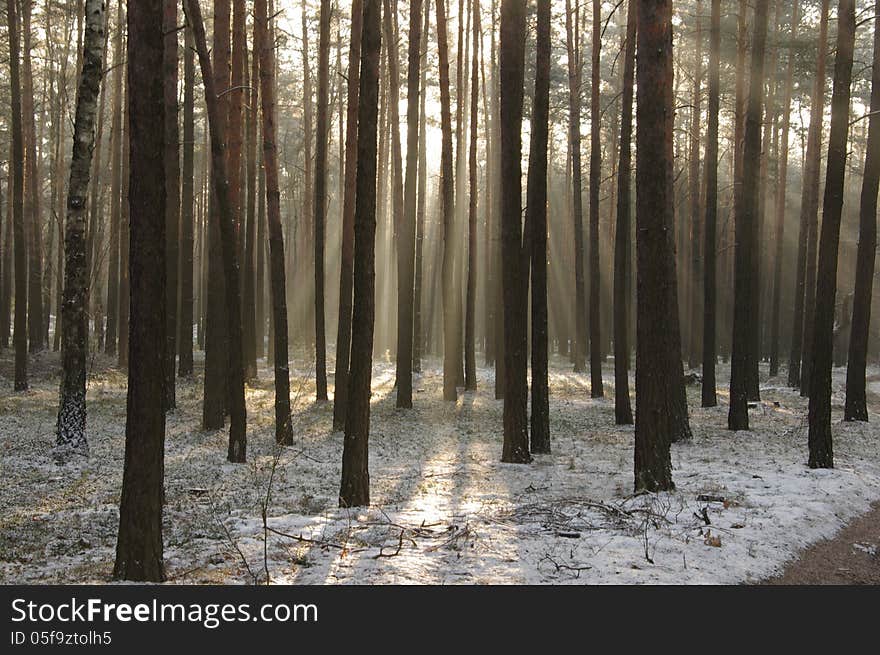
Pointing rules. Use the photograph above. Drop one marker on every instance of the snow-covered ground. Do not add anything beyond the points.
(445, 510)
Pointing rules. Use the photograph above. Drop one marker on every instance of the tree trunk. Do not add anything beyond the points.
(470, 356)
(320, 201)
(16, 200)
(422, 200)
(661, 412)
(172, 191)
(354, 489)
(139, 545)
(515, 273)
(856, 408)
(536, 220)
(497, 291)
(710, 246)
(572, 27)
(304, 227)
(447, 202)
(249, 303)
(185, 341)
(694, 274)
(805, 282)
(346, 274)
(821, 451)
(781, 187)
(238, 414)
(407, 234)
(397, 201)
(36, 332)
(112, 331)
(622, 237)
(265, 47)
(217, 382)
(746, 218)
(261, 254)
(6, 279)
(71, 426)
(596, 387)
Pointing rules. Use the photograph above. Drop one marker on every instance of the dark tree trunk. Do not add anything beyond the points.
(856, 408)
(805, 282)
(71, 426)
(303, 228)
(113, 272)
(172, 191)
(407, 234)
(320, 200)
(746, 218)
(354, 490)
(392, 58)
(661, 412)
(536, 220)
(821, 451)
(710, 245)
(6, 280)
(16, 200)
(515, 272)
(261, 254)
(36, 330)
(596, 387)
(249, 302)
(572, 27)
(346, 274)
(237, 412)
(185, 341)
(470, 336)
(217, 383)
(447, 202)
(781, 187)
(265, 47)
(139, 545)
(497, 297)
(622, 237)
(694, 274)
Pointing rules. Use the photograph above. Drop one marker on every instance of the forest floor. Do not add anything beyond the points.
(445, 509)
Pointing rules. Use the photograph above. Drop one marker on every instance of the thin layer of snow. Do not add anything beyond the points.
(445, 510)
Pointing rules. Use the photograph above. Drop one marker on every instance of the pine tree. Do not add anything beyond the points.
(536, 220)
(710, 246)
(661, 413)
(407, 236)
(354, 490)
(622, 408)
(16, 202)
(856, 408)
(264, 47)
(821, 450)
(746, 218)
(139, 544)
(515, 274)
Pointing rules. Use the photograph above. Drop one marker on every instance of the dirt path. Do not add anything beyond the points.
(851, 557)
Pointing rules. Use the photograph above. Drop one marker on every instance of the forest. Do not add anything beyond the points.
(437, 292)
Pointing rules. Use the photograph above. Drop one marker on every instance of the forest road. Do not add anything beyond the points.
(851, 557)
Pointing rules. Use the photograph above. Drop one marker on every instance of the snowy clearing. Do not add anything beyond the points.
(445, 509)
